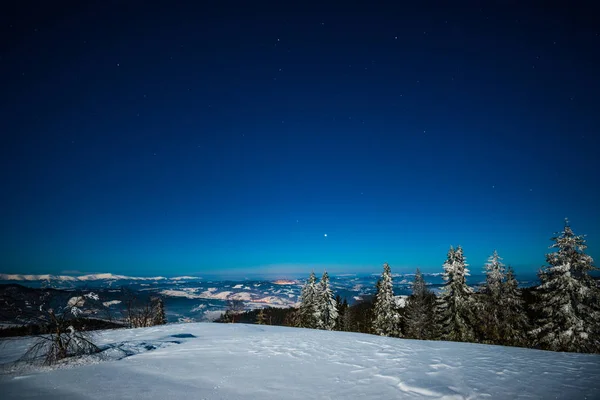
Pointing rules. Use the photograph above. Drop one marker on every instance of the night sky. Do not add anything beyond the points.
(252, 137)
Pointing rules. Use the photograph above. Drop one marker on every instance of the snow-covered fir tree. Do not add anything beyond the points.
(159, 316)
(420, 310)
(489, 304)
(419, 287)
(494, 275)
(327, 313)
(386, 320)
(309, 312)
(568, 297)
(514, 322)
(455, 306)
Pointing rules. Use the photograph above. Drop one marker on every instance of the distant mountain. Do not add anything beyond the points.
(87, 278)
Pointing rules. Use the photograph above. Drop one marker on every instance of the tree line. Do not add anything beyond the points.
(562, 313)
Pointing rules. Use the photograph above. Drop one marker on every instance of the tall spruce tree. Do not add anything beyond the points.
(309, 312)
(494, 275)
(327, 313)
(420, 310)
(455, 306)
(159, 316)
(386, 320)
(490, 302)
(514, 323)
(568, 297)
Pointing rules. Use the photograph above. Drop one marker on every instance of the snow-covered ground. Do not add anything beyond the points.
(234, 361)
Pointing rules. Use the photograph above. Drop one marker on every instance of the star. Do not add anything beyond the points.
(325, 235)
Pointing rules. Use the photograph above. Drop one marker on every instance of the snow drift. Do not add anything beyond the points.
(234, 361)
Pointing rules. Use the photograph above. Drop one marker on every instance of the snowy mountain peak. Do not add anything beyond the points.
(185, 278)
(81, 278)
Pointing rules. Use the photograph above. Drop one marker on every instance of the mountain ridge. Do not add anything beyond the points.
(107, 276)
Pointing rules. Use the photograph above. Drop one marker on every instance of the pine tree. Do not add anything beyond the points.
(568, 297)
(158, 311)
(514, 323)
(342, 308)
(491, 299)
(260, 317)
(308, 312)
(386, 318)
(455, 307)
(326, 306)
(495, 273)
(419, 286)
(420, 310)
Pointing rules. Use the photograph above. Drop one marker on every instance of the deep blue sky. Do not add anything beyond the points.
(191, 139)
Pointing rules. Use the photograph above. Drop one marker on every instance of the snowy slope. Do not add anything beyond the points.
(234, 361)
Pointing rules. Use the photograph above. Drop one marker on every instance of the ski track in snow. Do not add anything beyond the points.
(236, 361)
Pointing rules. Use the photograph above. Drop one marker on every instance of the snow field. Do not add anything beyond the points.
(236, 361)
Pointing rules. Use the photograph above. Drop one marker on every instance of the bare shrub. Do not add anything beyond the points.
(143, 313)
(59, 341)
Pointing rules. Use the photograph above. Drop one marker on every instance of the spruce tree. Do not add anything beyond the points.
(386, 320)
(419, 286)
(514, 323)
(308, 312)
(490, 300)
(159, 316)
(494, 275)
(326, 306)
(420, 310)
(342, 307)
(455, 306)
(568, 297)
